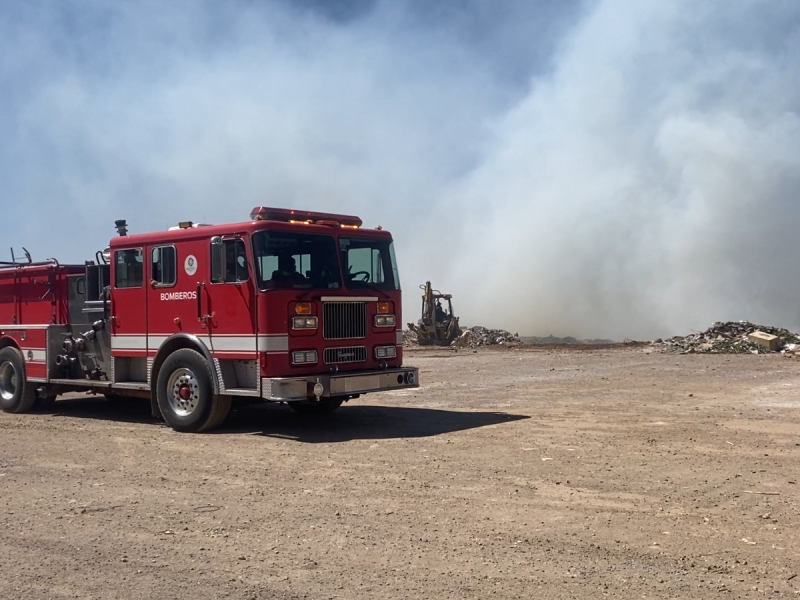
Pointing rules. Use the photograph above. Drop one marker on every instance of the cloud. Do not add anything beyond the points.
(576, 168)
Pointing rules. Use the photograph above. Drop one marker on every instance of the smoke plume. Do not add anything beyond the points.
(588, 168)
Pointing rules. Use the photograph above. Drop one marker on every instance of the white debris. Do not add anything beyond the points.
(731, 337)
(481, 336)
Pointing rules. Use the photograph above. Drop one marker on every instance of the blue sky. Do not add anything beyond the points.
(594, 168)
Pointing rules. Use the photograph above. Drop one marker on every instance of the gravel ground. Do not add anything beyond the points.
(546, 473)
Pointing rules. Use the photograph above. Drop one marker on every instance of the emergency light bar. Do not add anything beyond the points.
(286, 215)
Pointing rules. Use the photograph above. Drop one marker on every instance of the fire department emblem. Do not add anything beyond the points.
(190, 265)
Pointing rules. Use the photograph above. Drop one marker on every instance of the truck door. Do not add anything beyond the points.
(170, 293)
(129, 314)
(229, 304)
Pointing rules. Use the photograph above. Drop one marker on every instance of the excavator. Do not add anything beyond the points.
(438, 326)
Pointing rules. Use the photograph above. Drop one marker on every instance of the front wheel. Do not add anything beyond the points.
(323, 407)
(17, 395)
(185, 393)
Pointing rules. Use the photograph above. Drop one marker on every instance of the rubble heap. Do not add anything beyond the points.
(731, 337)
(481, 336)
(409, 338)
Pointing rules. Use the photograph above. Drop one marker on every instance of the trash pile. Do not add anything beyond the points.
(733, 337)
(471, 338)
(481, 336)
(409, 339)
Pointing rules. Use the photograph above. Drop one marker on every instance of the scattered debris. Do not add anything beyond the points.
(472, 337)
(763, 493)
(733, 337)
(723, 337)
(481, 336)
(409, 338)
(747, 541)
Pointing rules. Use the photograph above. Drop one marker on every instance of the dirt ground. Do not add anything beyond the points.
(537, 473)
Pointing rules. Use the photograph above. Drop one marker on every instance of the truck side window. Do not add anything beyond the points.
(129, 268)
(164, 266)
(235, 268)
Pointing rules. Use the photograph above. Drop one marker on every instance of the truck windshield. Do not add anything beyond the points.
(296, 261)
(369, 263)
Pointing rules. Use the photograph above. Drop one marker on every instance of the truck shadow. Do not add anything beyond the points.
(98, 408)
(350, 422)
(358, 422)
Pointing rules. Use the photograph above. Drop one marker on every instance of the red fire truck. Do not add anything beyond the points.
(291, 306)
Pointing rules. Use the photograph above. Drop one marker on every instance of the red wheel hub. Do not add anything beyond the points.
(185, 392)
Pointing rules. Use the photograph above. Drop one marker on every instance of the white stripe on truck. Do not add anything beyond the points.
(217, 343)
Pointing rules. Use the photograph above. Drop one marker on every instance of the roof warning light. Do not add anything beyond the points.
(286, 215)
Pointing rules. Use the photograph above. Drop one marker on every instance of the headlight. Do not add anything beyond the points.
(384, 321)
(304, 322)
(304, 357)
(385, 352)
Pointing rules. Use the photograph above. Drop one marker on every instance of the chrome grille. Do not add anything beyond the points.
(343, 354)
(344, 320)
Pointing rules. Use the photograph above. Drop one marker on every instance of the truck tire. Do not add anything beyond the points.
(185, 393)
(323, 407)
(17, 395)
(222, 406)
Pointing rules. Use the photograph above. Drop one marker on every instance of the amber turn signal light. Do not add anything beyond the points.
(303, 308)
(383, 308)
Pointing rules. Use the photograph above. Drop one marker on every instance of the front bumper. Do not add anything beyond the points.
(342, 384)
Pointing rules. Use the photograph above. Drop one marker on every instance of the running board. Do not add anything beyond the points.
(101, 384)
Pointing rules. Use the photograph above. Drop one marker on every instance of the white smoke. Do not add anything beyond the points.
(593, 169)
(649, 184)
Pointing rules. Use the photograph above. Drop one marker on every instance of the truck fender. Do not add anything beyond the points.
(7, 340)
(173, 343)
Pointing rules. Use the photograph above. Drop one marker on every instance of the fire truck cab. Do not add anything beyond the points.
(291, 306)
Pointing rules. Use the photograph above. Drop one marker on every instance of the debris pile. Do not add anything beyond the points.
(733, 337)
(481, 336)
(409, 338)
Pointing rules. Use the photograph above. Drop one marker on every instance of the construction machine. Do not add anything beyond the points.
(438, 326)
